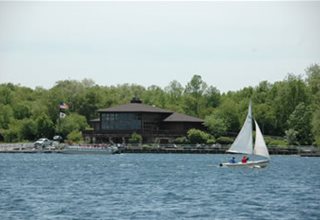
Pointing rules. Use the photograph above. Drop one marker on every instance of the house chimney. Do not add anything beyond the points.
(135, 100)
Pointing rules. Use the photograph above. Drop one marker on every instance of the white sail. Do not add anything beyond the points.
(243, 143)
(260, 147)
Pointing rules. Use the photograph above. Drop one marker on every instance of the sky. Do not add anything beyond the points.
(231, 45)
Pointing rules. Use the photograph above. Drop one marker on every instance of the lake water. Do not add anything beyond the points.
(156, 186)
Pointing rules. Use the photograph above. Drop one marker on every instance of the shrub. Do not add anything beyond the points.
(196, 136)
(291, 136)
(211, 141)
(181, 140)
(224, 140)
(135, 138)
(75, 137)
(275, 142)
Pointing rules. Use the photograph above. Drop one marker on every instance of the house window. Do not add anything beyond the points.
(120, 121)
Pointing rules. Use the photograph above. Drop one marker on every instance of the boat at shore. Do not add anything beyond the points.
(244, 145)
(90, 149)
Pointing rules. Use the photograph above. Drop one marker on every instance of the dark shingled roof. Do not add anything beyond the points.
(135, 107)
(178, 117)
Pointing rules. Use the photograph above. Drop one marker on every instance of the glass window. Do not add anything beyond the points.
(120, 121)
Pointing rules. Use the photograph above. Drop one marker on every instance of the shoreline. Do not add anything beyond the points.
(272, 151)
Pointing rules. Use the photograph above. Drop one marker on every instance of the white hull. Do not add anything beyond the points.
(89, 150)
(250, 164)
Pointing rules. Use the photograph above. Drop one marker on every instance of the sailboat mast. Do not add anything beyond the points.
(250, 119)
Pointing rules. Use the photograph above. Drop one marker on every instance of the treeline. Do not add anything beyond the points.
(289, 108)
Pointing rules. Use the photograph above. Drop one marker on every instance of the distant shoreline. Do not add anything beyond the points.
(25, 148)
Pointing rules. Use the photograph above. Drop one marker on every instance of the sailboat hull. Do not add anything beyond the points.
(249, 164)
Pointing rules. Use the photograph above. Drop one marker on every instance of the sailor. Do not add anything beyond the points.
(244, 159)
(233, 160)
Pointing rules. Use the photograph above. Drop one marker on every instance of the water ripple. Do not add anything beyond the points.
(155, 186)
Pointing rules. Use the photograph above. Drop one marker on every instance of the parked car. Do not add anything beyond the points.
(57, 138)
(42, 143)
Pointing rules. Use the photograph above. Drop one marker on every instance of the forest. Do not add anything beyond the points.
(288, 111)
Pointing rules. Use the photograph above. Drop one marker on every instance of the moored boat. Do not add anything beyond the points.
(90, 149)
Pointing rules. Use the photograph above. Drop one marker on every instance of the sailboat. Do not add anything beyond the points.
(243, 144)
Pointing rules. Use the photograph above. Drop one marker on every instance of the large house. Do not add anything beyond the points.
(117, 124)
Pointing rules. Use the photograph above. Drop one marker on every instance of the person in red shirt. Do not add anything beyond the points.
(244, 159)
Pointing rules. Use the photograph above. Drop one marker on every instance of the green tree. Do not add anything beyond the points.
(291, 136)
(300, 121)
(6, 116)
(212, 96)
(45, 127)
(12, 134)
(175, 91)
(72, 122)
(313, 80)
(89, 102)
(216, 125)
(174, 94)
(28, 129)
(155, 96)
(316, 126)
(265, 116)
(193, 95)
(261, 93)
(6, 93)
(228, 112)
(196, 86)
(286, 95)
(21, 110)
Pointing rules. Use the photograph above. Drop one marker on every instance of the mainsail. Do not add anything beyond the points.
(243, 143)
